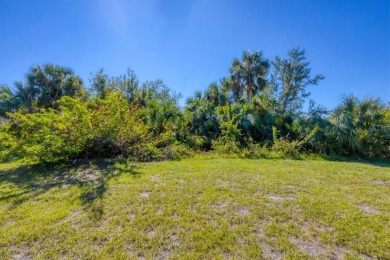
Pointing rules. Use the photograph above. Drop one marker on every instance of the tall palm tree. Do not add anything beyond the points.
(249, 74)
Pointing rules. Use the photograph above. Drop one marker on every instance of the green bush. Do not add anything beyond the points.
(285, 148)
(117, 127)
(225, 145)
(7, 145)
(50, 136)
(256, 151)
(147, 153)
(177, 151)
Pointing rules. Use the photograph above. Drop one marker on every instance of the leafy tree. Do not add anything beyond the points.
(99, 84)
(290, 79)
(127, 83)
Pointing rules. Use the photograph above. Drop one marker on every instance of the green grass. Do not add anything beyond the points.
(196, 209)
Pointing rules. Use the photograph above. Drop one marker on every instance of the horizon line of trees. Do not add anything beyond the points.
(255, 111)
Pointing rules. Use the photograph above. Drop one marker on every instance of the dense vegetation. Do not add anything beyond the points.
(254, 112)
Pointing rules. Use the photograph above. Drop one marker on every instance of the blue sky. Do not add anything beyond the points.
(189, 44)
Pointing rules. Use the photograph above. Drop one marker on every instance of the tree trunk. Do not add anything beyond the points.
(249, 93)
(249, 96)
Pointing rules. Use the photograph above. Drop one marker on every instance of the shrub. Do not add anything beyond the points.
(225, 145)
(7, 145)
(177, 151)
(117, 126)
(285, 148)
(256, 151)
(50, 136)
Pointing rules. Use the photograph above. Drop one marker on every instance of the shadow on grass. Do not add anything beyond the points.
(91, 178)
(380, 162)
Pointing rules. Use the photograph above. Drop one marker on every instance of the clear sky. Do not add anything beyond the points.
(189, 44)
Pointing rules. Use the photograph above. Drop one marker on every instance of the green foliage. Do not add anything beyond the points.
(285, 148)
(117, 127)
(257, 151)
(177, 151)
(51, 118)
(290, 78)
(226, 145)
(7, 100)
(361, 128)
(248, 74)
(8, 144)
(49, 136)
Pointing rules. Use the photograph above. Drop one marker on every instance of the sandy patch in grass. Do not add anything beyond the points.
(21, 253)
(141, 256)
(145, 193)
(181, 181)
(279, 199)
(8, 222)
(381, 182)
(290, 186)
(309, 247)
(222, 183)
(88, 175)
(367, 209)
(308, 227)
(151, 233)
(268, 253)
(155, 177)
(260, 231)
(132, 216)
(175, 240)
(164, 254)
(220, 205)
(341, 251)
(91, 176)
(241, 211)
(22, 256)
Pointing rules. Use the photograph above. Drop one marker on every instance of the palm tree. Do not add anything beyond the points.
(11, 101)
(203, 120)
(249, 74)
(7, 100)
(361, 126)
(344, 119)
(51, 82)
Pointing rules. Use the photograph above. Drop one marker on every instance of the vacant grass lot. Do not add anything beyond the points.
(196, 209)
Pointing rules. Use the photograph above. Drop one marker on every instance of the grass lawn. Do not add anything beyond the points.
(196, 209)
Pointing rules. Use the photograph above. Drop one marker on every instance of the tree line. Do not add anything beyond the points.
(256, 111)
